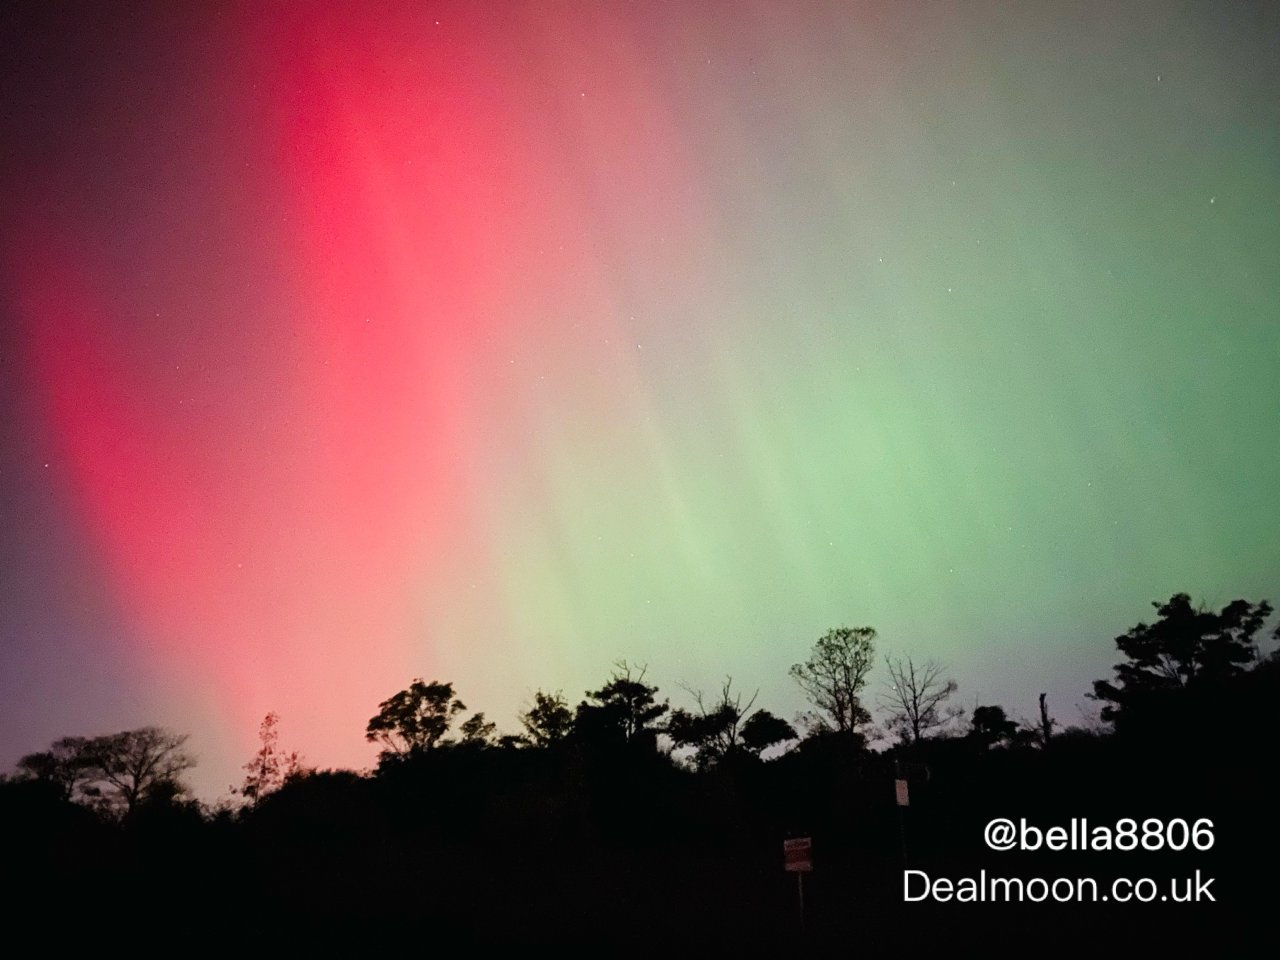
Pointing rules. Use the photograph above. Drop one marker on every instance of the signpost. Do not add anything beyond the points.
(797, 858)
(903, 773)
(900, 800)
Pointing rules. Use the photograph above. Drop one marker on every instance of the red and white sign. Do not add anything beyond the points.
(900, 792)
(797, 854)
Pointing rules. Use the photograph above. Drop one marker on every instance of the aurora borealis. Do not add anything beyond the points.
(495, 342)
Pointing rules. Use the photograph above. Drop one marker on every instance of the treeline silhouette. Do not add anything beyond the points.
(621, 824)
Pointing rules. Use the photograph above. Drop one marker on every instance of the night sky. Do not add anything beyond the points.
(494, 342)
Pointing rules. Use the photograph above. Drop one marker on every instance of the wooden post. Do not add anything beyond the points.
(800, 888)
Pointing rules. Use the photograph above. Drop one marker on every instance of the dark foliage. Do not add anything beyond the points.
(1187, 648)
(585, 835)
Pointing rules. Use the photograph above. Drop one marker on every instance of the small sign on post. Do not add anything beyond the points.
(900, 792)
(796, 855)
(797, 858)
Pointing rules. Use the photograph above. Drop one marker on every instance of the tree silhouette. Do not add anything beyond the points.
(270, 767)
(415, 719)
(477, 731)
(648, 838)
(1047, 723)
(990, 725)
(1186, 647)
(713, 732)
(548, 721)
(625, 706)
(916, 695)
(129, 768)
(835, 674)
(65, 766)
(764, 730)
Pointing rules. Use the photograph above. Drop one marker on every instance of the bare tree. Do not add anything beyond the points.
(1047, 723)
(835, 674)
(915, 696)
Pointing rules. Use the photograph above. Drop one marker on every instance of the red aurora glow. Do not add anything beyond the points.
(277, 471)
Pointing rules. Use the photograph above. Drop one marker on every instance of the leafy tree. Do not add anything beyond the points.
(835, 674)
(64, 765)
(687, 729)
(712, 732)
(477, 731)
(725, 727)
(135, 766)
(415, 719)
(764, 730)
(270, 767)
(915, 696)
(625, 707)
(990, 726)
(548, 721)
(1187, 647)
